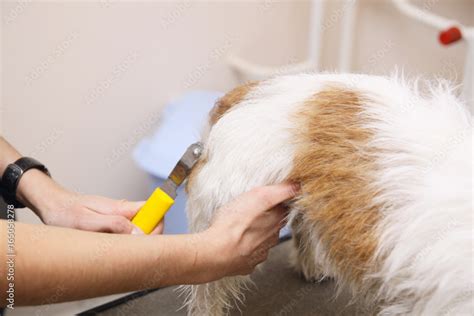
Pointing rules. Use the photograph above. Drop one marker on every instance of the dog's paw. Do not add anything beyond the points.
(314, 278)
(309, 270)
(318, 279)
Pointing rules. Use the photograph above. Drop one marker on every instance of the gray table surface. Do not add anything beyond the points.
(279, 291)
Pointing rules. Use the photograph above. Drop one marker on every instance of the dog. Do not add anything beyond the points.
(385, 168)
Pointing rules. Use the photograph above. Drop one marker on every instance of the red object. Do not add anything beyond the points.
(450, 35)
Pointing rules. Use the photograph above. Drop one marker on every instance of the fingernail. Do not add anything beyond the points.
(136, 231)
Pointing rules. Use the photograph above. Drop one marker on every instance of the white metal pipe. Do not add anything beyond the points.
(251, 71)
(468, 81)
(347, 35)
(315, 32)
(436, 21)
(422, 15)
(441, 23)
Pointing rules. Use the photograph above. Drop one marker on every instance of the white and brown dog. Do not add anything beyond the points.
(386, 185)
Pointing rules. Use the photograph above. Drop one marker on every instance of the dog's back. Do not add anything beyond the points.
(386, 175)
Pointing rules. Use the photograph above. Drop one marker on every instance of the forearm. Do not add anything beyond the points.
(81, 264)
(35, 190)
(8, 154)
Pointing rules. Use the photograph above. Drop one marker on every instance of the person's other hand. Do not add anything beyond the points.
(245, 229)
(94, 213)
(60, 207)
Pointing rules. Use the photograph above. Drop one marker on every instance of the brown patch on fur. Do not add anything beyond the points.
(334, 165)
(229, 100)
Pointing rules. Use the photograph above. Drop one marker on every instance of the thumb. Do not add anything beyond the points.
(129, 208)
(106, 224)
(264, 198)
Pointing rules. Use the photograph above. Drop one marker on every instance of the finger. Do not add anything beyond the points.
(264, 198)
(275, 240)
(262, 254)
(282, 213)
(129, 208)
(118, 225)
(106, 205)
(106, 224)
(276, 218)
(159, 228)
(271, 241)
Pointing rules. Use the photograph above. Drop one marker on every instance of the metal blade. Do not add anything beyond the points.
(182, 169)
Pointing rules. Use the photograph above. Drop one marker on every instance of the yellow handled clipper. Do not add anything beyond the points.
(163, 197)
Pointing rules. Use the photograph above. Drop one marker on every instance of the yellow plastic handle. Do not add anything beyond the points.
(153, 211)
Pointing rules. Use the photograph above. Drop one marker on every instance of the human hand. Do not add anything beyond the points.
(245, 229)
(58, 206)
(95, 213)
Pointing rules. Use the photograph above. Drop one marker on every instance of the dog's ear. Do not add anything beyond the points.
(232, 98)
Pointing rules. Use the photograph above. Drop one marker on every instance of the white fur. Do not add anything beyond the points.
(425, 244)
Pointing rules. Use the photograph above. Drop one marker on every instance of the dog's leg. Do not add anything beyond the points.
(305, 256)
(215, 298)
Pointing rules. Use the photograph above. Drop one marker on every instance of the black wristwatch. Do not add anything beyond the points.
(12, 175)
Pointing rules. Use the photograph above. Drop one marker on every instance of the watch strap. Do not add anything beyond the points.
(12, 175)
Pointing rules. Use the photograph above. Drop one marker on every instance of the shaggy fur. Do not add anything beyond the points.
(386, 176)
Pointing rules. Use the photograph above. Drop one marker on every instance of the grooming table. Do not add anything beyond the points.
(279, 291)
